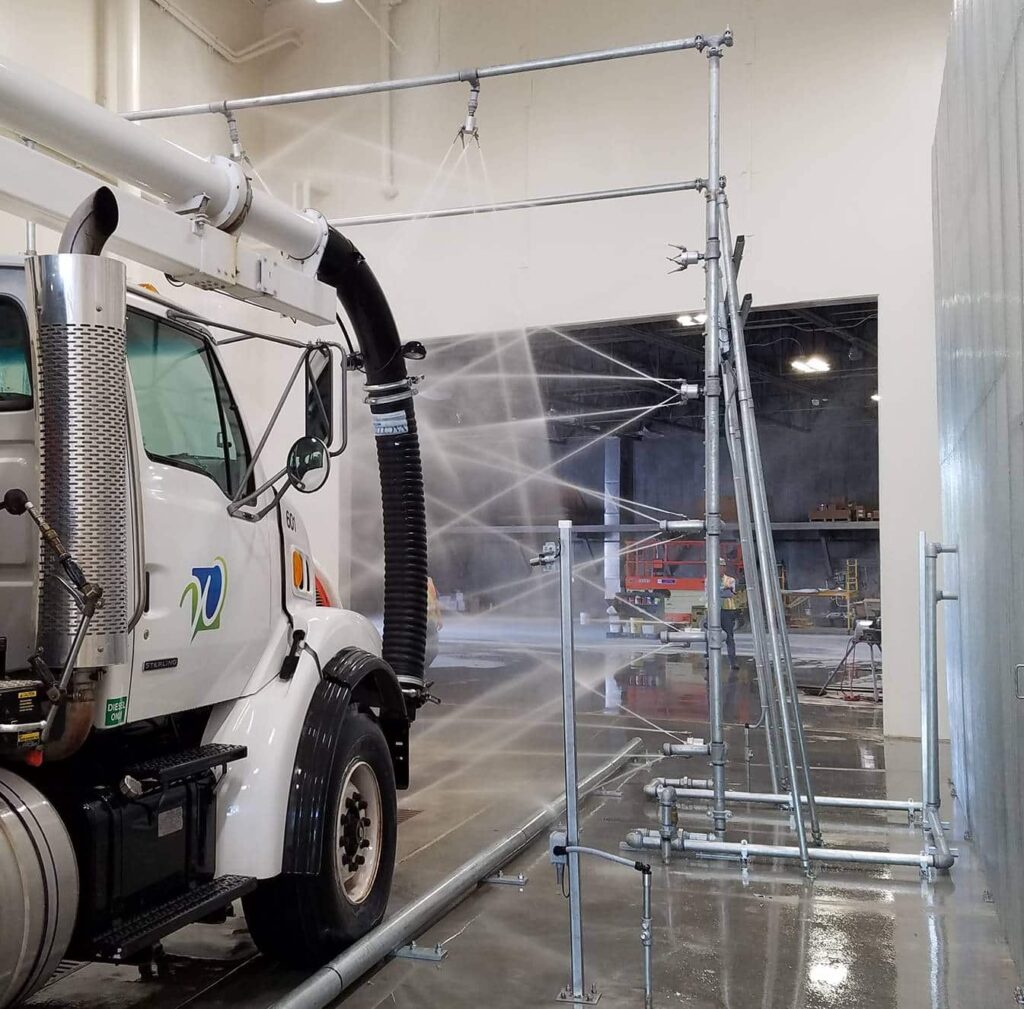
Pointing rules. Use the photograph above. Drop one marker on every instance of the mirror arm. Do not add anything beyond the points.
(241, 495)
(235, 507)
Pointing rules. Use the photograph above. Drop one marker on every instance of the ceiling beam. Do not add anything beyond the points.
(820, 322)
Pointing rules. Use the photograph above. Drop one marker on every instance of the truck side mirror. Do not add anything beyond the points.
(309, 465)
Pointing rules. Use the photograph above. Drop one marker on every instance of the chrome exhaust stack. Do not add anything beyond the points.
(78, 315)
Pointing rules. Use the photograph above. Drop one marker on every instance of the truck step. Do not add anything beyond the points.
(138, 934)
(178, 766)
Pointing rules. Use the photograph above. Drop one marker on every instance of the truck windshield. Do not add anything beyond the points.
(15, 374)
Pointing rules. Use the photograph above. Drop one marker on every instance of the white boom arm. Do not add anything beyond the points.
(204, 208)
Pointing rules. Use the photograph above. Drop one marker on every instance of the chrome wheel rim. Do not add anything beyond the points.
(359, 831)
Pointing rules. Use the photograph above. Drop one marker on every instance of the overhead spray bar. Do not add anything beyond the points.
(698, 42)
(562, 199)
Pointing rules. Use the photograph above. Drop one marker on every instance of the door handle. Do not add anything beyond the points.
(1016, 681)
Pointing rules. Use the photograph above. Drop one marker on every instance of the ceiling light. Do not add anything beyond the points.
(814, 363)
(697, 319)
(700, 318)
(684, 320)
(874, 397)
(327, 1)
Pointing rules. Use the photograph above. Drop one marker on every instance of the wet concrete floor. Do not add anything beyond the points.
(765, 937)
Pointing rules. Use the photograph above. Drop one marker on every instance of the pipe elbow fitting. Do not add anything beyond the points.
(94, 220)
(635, 839)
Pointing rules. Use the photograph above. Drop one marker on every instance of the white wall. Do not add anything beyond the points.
(829, 109)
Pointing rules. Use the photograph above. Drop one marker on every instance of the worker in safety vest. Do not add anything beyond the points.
(729, 612)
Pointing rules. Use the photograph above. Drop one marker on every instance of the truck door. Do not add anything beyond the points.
(209, 577)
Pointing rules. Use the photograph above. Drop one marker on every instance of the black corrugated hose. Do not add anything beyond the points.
(398, 458)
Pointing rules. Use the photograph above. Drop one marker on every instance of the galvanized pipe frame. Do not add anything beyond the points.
(561, 200)
(742, 851)
(911, 807)
(785, 684)
(929, 806)
(712, 406)
(468, 76)
(577, 983)
(929, 553)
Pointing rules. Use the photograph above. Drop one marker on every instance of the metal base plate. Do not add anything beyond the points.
(432, 954)
(499, 878)
(591, 997)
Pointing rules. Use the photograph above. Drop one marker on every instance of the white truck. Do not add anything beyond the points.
(183, 723)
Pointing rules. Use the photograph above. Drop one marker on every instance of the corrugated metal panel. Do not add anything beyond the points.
(979, 271)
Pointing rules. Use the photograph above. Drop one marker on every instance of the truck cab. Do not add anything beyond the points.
(247, 744)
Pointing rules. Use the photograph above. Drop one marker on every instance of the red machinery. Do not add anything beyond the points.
(674, 569)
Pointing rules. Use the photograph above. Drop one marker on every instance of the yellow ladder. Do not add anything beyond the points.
(851, 581)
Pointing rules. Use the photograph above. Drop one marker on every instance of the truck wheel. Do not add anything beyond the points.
(307, 919)
(38, 888)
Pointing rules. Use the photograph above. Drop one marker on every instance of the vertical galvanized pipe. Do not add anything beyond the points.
(755, 607)
(572, 830)
(647, 938)
(928, 555)
(712, 397)
(612, 493)
(766, 550)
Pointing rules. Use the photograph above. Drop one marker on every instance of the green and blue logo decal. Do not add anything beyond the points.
(206, 592)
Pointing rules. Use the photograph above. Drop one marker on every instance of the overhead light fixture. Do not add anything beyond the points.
(807, 365)
(697, 319)
(874, 397)
(327, 1)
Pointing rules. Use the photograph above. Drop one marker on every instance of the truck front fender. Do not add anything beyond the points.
(253, 799)
(352, 680)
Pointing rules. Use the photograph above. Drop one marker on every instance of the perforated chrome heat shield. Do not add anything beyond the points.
(79, 310)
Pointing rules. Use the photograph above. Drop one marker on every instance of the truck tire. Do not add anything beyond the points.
(38, 888)
(306, 919)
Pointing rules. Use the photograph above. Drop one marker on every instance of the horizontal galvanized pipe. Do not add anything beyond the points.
(407, 83)
(655, 785)
(781, 799)
(329, 982)
(742, 850)
(691, 748)
(667, 637)
(540, 201)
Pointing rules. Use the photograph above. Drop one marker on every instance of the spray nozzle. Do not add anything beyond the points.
(469, 127)
(547, 557)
